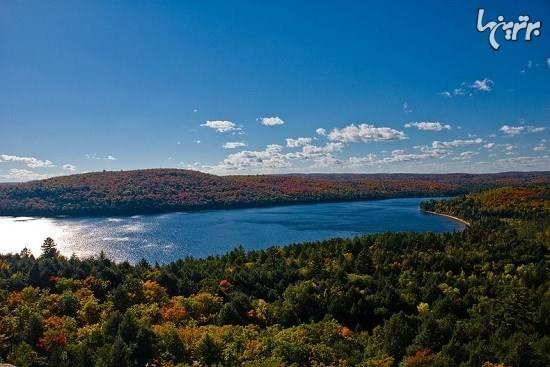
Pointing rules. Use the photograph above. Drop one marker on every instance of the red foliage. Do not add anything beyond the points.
(422, 358)
(224, 284)
(173, 311)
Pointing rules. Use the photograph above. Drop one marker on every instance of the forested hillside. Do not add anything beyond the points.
(529, 202)
(474, 298)
(163, 190)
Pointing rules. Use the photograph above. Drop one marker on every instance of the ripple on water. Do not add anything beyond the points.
(171, 236)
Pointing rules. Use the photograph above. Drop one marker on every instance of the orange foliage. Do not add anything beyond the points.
(15, 298)
(154, 292)
(345, 332)
(173, 311)
(52, 339)
(420, 359)
(54, 322)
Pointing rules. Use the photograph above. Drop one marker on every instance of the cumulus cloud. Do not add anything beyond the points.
(221, 126)
(271, 121)
(428, 126)
(445, 94)
(69, 167)
(516, 130)
(489, 145)
(295, 143)
(365, 133)
(483, 85)
(455, 143)
(539, 148)
(406, 108)
(233, 145)
(309, 150)
(271, 157)
(30, 162)
(321, 131)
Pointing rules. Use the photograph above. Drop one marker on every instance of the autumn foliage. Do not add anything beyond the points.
(164, 190)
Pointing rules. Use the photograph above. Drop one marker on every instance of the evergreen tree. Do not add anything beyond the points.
(49, 248)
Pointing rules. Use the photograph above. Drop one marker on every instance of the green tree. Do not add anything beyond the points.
(49, 248)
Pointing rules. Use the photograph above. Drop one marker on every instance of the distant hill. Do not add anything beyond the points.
(164, 190)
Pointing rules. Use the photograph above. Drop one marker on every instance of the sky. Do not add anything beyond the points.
(248, 87)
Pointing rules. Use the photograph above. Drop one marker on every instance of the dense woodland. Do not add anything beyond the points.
(480, 297)
(164, 190)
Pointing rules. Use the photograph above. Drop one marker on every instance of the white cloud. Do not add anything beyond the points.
(327, 148)
(272, 157)
(321, 131)
(548, 62)
(489, 145)
(516, 130)
(295, 143)
(539, 148)
(542, 162)
(399, 155)
(197, 141)
(233, 145)
(484, 85)
(455, 143)
(195, 110)
(428, 126)
(365, 133)
(95, 156)
(507, 147)
(17, 175)
(466, 155)
(459, 92)
(69, 167)
(30, 162)
(361, 161)
(271, 121)
(221, 126)
(328, 161)
(406, 108)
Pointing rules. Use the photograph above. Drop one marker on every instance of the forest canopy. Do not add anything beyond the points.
(165, 190)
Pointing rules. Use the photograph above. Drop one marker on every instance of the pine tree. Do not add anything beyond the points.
(25, 252)
(49, 248)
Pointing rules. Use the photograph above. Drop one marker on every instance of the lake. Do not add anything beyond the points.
(167, 237)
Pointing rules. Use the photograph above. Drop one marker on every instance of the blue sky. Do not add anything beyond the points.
(220, 86)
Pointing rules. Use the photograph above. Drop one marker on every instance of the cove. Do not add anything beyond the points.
(167, 237)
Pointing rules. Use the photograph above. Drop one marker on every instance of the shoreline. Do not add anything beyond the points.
(206, 208)
(467, 224)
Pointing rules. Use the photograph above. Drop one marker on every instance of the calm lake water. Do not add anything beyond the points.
(167, 237)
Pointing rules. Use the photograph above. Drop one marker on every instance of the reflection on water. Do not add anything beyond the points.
(167, 237)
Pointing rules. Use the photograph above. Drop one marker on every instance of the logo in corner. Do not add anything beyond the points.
(513, 31)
